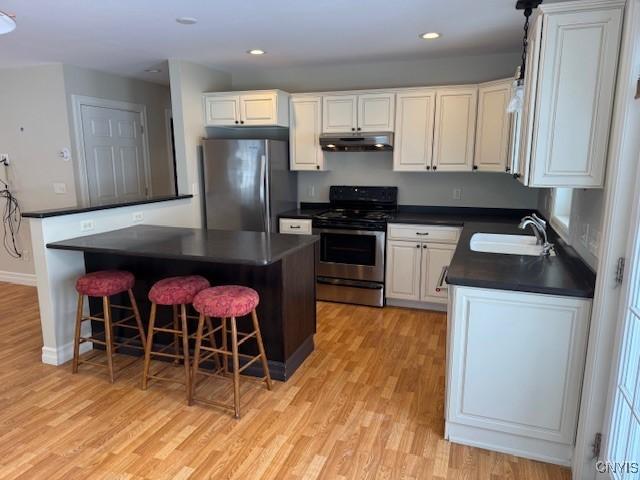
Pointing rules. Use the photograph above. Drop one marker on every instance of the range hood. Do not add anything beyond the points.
(357, 142)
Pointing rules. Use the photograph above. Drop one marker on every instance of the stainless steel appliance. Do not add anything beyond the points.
(246, 184)
(356, 142)
(351, 264)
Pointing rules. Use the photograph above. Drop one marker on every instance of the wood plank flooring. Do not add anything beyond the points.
(367, 404)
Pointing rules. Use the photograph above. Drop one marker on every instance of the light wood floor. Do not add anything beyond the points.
(367, 404)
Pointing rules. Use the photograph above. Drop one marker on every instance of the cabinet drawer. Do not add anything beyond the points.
(297, 226)
(426, 233)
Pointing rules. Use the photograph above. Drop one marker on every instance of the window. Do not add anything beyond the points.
(561, 209)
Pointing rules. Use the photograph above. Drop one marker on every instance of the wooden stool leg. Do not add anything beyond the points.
(225, 362)
(148, 347)
(176, 337)
(106, 306)
(212, 340)
(263, 357)
(236, 367)
(136, 313)
(185, 348)
(196, 359)
(76, 335)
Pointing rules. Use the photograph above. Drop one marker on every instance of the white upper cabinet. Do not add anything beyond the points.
(339, 113)
(368, 112)
(222, 110)
(305, 117)
(413, 145)
(493, 127)
(455, 127)
(569, 91)
(376, 112)
(257, 108)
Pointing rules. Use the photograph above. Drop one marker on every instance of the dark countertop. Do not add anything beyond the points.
(56, 212)
(565, 274)
(215, 246)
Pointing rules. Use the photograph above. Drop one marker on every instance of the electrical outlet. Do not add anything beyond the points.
(87, 225)
(59, 188)
(26, 255)
(584, 235)
(457, 193)
(594, 242)
(138, 217)
(311, 191)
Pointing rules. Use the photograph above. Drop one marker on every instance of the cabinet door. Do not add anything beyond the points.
(376, 112)
(575, 97)
(403, 270)
(493, 127)
(305, 123)
(339, 113)
(435, 262)
(455, 129)
(413, 147)
(258, 109)
(222, 110)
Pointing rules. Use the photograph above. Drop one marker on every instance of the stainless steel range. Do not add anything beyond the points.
(352, 244)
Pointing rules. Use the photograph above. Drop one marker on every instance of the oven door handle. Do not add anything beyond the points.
(374, 233)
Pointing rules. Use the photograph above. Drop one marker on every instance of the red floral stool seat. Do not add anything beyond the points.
(177, 292)
(227, 303)
(106, 284)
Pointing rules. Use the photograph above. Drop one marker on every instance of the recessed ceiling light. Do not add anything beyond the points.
(186, 20)
(429, 35)
(256, 51)
(152, 70)
(7, 23)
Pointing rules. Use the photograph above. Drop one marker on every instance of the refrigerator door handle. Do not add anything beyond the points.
(265, 194)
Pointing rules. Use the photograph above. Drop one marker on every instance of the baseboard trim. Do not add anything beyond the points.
(60, 355)
(438, 307)
(28, 279)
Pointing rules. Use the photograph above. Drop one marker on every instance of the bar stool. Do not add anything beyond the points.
(106, 284)
(177, 292)
(227, 302)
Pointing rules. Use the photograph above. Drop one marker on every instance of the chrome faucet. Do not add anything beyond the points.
(539, 227)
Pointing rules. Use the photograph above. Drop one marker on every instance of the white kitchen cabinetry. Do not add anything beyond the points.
(417, 260)
(367, 112)
(253, 108)
(455, 127)
(413, 144)
(296, 226)
(305, 118)
(493, 127)
(514, 371)
(569, 87)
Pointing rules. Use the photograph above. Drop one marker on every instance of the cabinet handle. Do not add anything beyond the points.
(317, 167)
(475, 167)
(428, 167)
(237, 122)
(418, 246)
(434, 167)
(516, 175)
(424, 246)
(507, 169)
(359, 129)
(242, 121)
(353, 129)
(443, 275)
(422, 233)
(294, 227)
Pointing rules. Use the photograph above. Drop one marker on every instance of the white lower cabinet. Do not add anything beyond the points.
(514, 370)
(417, 260)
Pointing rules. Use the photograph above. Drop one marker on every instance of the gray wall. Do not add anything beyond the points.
(415, 188)
(156, 98)
(482, 190)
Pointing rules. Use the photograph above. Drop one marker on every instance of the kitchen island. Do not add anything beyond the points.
(281, 268)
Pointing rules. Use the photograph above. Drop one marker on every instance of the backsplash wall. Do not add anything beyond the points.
(490, 190)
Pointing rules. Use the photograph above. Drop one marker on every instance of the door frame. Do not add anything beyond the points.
(77, 102)
(621, 190)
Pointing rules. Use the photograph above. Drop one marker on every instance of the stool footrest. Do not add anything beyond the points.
(167, 330)
(245, 337)
(250, 362)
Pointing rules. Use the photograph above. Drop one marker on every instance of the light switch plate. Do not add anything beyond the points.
(87, 225)
(138, 217)
(457, 193)
(59, 188)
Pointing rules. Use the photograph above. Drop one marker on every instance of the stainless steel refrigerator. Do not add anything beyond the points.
(246, 184)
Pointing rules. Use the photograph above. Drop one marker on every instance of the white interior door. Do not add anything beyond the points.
(113, 152)
(623, 444)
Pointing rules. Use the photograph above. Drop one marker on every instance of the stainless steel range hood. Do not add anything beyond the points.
(357, 142)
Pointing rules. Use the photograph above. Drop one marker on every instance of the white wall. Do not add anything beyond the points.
(188, 82)
(157, 98)
(435, 71)
(415, 188)
(34, 127)
(481, 190)
(585, 223)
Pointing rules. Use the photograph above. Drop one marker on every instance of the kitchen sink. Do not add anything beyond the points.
(506, 244)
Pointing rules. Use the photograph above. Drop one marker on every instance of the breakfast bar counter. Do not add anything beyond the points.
(281, 268)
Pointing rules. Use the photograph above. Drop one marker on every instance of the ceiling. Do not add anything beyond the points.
(127, 37)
